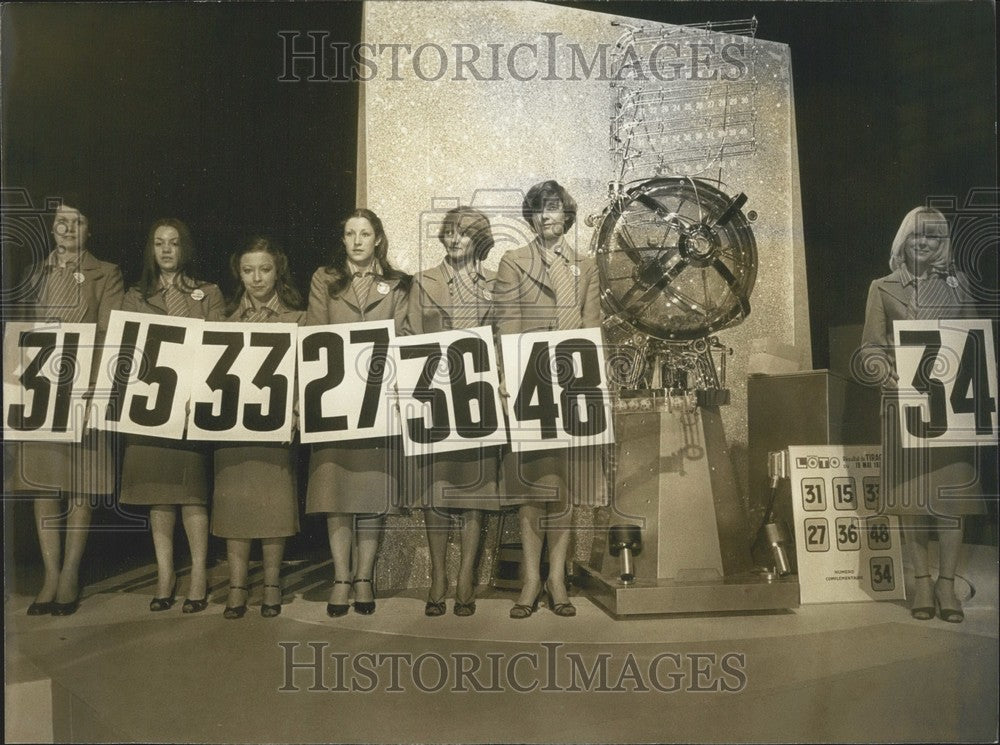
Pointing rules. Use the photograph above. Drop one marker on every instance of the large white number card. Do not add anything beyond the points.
(449, 391)
(345, 381)
(244, 380)
(144, 379)
(947, 382)
(558, 389)
(46, 375)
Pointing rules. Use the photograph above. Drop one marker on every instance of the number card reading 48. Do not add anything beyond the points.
(449, 396)
(46, 372)
(846, 551)
(558, 390)
(345, 380)
(947, 382)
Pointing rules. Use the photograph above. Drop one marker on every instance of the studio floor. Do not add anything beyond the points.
(863, 672)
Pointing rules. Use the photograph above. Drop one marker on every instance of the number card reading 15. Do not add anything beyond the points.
(449, 396)
(243, 382)
(345, 381)
(947, 382)
(558, 389)
(46, 373)
(144, 379)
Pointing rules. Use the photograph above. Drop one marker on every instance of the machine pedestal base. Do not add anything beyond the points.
(742, 592)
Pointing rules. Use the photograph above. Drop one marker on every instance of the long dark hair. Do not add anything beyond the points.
(283, 285)
(149, 280)
(340, 276)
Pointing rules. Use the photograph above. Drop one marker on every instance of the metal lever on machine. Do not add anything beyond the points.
(623, 542)
(774, 535)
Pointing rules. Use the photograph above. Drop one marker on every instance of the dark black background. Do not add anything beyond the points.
(171, 109)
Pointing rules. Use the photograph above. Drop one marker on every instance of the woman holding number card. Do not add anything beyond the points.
(455, 294)
(925, 483)
(70, 285)
(354, 482)
(546, 286)
(161, 473)
(255, 488)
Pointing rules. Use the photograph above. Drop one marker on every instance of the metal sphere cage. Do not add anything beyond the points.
(677, 259)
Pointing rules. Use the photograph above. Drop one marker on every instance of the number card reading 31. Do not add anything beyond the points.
(947, 382)
(244, 379)
(144, 379)
(46, 373)
(845, 549)
(558, 389)
(345, 381)
(448, 385)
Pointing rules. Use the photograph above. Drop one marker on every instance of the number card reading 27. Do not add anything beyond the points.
(449, 391)
(243, 382)
(345, 380)
(46, 372)
(558, 389)
(144, 380)
(947, 382)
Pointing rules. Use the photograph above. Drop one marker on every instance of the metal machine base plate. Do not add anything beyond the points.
(742, 592)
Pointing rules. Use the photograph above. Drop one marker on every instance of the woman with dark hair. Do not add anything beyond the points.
(546, 286)
(924, 486)
(160, 473)
(354, 482)
(455, 294)
(255, 488)
(70, 285)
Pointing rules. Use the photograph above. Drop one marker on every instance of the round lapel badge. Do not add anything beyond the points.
(574, 270)
(383, 288)
(952, 281)
(197, 295)
(78, 277)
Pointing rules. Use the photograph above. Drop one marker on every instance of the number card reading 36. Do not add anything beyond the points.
(244, 381)
(448, 385)
(345, 381)
(558, 389)
(46, 373)
(145, 376)
(947, 382)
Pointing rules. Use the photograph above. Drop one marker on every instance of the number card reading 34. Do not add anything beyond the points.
(244, 379)
(947, 382)
(846, 550)
(345, 381)
(449, 396)
(558, 389)
(144, 379)
(46, 373)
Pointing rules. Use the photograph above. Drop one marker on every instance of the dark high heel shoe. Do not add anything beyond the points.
(66, 609)
(270, 611)
(365, 607)
(236, 611)
(949, 615)
(434, 608)
(464, 609)
(566, 610)
(195, 605)
(333, 610)
(922, 612)
(42, 609)
(159, 604)
(520, 610)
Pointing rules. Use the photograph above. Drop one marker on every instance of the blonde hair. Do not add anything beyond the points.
(923, 220)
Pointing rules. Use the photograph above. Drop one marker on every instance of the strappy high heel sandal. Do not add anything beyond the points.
(365, 607)
(270, 611)
(334, 610)
(922, 612)
(237, 611)
(949, 615)
(520, 610)
(566, 610)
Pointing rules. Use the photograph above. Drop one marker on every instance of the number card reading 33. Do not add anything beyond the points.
(144, 379)
(947, 382)
(46, 374)
(244, 382)
(558, 389)
(448, 386)
(345, 381)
